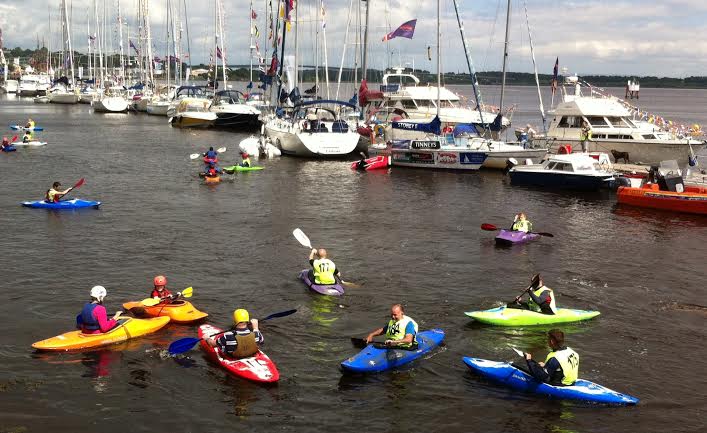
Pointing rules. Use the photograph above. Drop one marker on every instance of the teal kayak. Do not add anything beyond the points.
(234, 168)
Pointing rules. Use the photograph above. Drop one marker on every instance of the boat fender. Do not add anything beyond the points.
(510, 163)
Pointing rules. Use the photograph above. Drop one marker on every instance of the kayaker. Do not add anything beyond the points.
(212, 170)
(323, 271)
(160, 291)
(5, 142)
(561, 366)
(400, 331)
(30, 123)
(27, 137)
(210, 154)
(93, 318)
(54, 194)
(243, 341)
(542, 298)
(361, 164)
(521, 223)
(246, 160)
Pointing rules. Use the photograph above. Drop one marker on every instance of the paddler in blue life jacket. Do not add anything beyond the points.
(323, 271)
(243, 341)
(521, 223)
(210, 159)
(246, 160)
(561, 366)
(400, 331)
(93, 318)
(541, 298)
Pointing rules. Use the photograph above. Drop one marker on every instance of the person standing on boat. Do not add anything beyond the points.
(242, 342)
(521, 223)
(585, 135)
(541, 298)
(400, 331)
(93, 318)
(561, 366)
(53, 195)
(323, 271)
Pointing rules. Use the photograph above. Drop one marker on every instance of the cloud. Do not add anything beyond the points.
(626, 37)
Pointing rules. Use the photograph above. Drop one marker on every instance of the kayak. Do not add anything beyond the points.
(212, 179)
(9, 148)
(330, 289)
(374, 163)
(513, 237)
(376, 358)
(234, 168)
(258, 368)
(517, 379)
(128, 328)
(33, 143)
(503, 316)
(61, 205)
(24, 128)
(182, 312)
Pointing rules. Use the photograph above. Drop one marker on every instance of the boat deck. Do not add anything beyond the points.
(698, 175)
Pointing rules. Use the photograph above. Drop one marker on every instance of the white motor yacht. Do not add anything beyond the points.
(575, 171)
(233, 111)
(61, 95)
(10, 86)
(192, 113)
(29, 84)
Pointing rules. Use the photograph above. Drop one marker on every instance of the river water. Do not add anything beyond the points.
(407, 235)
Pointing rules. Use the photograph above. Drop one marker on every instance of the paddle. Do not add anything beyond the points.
(304, 240)
(196, 155)
(520, 353)
(361, 343)
(493, 228)
(77, 185)
(535, 280)
(151, 302)
(185, 344)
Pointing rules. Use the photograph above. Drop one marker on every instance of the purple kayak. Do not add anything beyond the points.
(331, 289)
(512, 237)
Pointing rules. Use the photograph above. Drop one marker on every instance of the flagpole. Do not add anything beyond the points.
(365, 40)
(439, 53)
(326, 59)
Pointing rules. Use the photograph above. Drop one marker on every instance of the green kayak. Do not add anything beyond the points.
(234, 168)
(503, 316)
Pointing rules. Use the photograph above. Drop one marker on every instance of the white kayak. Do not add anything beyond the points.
(30, 143)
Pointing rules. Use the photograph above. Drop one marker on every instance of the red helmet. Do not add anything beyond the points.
(5, 140)
(160, 280)
(244, 154)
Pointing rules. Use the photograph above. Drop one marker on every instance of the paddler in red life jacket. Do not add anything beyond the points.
(522, 224)
(160, 291)
(243, 342)
(53, 195)
(542, 298)
(323, 271)
(561, 366)
(400, 331)
(93, 318)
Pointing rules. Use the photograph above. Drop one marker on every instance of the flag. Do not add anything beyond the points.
(553, 84)
(134, 47)
(273, 65)
(406, 30)
(362, 91)
(219, 54)
(289, 5)
(253, 15)
(256, 31)
(91, 38)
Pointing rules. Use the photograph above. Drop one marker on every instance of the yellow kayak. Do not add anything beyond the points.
(128, 328)
(182, 312)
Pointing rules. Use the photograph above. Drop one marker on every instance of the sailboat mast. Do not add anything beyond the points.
(186, 24)
(326, 58)
(120, 37)
(439, 53)
(251, 46)
(535, 67)
(365, 39)
(150, 60)
(282, 55)
(505, 58)
(223, 48)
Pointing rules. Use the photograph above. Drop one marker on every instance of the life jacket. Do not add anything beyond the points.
(569, 361)
(164, 295)
(211, 154)
(522, 226)
(88, 322)
(51, 196)
(535, 307)
(324, 271)
(211, 172)
(209, 161)
(396, 331)
(246, 346)
(246, 162)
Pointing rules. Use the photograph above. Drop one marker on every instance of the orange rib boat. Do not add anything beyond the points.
(693, 199)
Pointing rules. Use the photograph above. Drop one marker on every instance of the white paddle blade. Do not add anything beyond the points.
(520, 353)
(221, 149)
(302, 238)
(193, 156)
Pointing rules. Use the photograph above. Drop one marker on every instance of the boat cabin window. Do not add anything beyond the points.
(563, 166)
(596, 121)
(446, 104)
(550, 166)
(649, 136)
(423, 103)
(408, 104)
(570, 122)
(616, 121)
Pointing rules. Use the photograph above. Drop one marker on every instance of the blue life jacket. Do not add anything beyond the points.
(211, 154)
(86, 318)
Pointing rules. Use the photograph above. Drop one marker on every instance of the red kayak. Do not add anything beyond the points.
(258, 368)
(374, 163)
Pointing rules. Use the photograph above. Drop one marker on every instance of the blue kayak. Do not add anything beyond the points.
(64, 204)
(9, 149)
(517, 379)
(374, 359)
(24, 128)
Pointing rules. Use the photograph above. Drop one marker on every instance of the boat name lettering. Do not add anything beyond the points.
(416, 144)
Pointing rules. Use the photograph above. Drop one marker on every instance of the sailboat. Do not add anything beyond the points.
(65, 93)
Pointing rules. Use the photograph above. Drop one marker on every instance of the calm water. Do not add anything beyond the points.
(406, 236)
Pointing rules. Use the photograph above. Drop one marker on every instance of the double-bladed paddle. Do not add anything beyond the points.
(77, 185)
(535, 280)
(151, 302)
(361, 342)
(493, 228)
(304, 240)
(185, 344)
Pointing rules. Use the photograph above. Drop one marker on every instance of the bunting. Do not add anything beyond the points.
(406, 30)
(134, 47)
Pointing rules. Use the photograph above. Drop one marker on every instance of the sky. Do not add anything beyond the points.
(590, 37)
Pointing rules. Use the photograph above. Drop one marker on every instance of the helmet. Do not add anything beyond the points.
(244, 154)
(98, 292)
(5, 140)
(241, 315)
(160, 280)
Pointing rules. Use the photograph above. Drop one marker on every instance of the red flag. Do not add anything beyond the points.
(219, 54)
(362, 93)
(253, 14)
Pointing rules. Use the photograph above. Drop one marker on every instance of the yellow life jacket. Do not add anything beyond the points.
(535, 307)
(396, 330)
(522, 226)
(246, 346)
(49, 196)
(246, 162)
(569, 361)
(324, 271)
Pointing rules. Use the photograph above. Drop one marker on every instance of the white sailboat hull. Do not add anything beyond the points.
(111, 104)
(292, 140)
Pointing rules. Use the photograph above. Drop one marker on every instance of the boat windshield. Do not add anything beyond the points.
(596, 121)
(447, 104)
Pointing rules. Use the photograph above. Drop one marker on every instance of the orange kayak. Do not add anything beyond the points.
(128, 328)
(180, 311)
(692, 200)
(212, 179)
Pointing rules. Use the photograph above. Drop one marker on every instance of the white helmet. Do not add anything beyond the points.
(98, 292)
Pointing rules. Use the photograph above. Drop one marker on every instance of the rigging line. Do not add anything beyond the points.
(492, 39)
